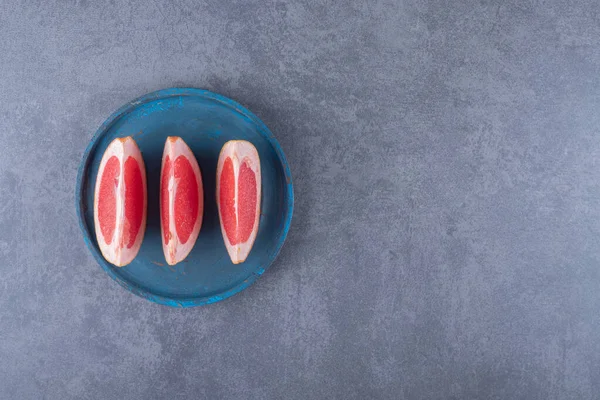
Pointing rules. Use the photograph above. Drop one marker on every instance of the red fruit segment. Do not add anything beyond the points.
(247, 199)
(164, 198)
(227, 201)
(181, 200)
(186, 199)
(107, 204)
(238, 197)
(134, 200)
(120, 202)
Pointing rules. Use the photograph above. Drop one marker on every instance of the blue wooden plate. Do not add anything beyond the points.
(205, 121)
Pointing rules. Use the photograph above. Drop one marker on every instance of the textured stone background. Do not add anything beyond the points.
(446, 239)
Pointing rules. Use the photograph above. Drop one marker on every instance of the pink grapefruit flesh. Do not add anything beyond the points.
(238, 197)
(107, 199)
(181, 200)
(227, 201)
(120, 202)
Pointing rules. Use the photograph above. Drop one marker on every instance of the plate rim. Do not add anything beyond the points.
(84, 164)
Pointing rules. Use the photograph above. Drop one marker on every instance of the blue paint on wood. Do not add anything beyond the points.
(205, 120)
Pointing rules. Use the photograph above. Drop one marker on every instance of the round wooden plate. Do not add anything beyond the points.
(205, 121)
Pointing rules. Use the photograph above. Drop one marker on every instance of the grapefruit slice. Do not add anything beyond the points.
(181, 200)
(238, 197)
(120, 202)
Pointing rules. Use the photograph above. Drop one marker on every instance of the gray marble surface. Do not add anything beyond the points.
(446, 236)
